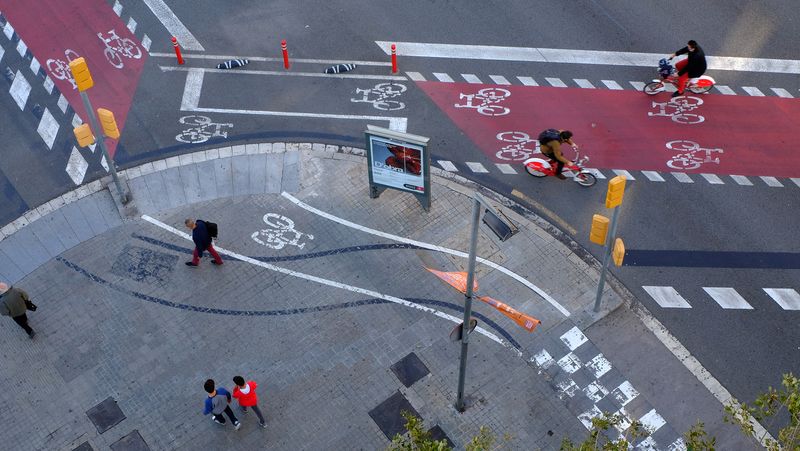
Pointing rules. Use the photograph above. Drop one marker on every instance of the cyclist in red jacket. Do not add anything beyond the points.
(692, 67)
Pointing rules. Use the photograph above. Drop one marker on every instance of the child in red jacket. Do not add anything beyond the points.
(246, 394)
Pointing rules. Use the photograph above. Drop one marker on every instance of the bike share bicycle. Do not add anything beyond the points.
(668, 73)
(543, 167)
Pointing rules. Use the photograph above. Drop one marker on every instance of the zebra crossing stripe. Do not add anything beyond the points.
(742, 180)
(117, 8)
(35, 66)
(772, 181)
(653, 176)
(447, 166)
(556, 82)
(22, 48)
(753, 91)
(796, 181)
(471, 78)
(583, 83)
(415, 76)
(611, 84)
(20, 90)
(2, 52)
(727, 298)
(637, 85)
(499, 79)
(726, 90)
(782, 93)
(505, 168)
(48, 128)
(682, 177)
(667, 297)
(623, 173)
(62, 103)
(476, 167)
(146, 42)
(712, 179)
(527, 81)
(787, 298)
(8, 30)
(132, 25)
(443, 77)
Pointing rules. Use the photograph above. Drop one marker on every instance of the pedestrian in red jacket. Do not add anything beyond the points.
(246, 394)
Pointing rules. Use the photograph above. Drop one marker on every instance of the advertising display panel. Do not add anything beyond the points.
(399, 161)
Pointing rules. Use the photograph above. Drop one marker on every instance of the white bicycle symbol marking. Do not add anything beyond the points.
(379, 94)
(688, 159)
(276, 235)
(60, 70)
(677, 108)
(117, 47)
(521, 147)
(202, 129)
(489, 98)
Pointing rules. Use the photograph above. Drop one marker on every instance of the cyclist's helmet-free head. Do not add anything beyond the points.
(565, 135)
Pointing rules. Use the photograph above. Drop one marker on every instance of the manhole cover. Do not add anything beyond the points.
(410, 369)
(387, 415)
(105, 415)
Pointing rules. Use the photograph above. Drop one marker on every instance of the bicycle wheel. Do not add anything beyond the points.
(195, 120)
(683, 163)
(514, 137)
(131, 49)
(683, 144)
(390, 88)
(653, 88)
(278, 222)
(585, 179)
(536, 169)
(113, 58)
(700, 89)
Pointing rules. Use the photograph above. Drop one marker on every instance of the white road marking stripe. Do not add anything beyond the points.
(471, 78)
(22, 48)
(48, 84)
(76, 120)
(432, 247)
(682, 177)
(448, 166)
(667, 297)
(782, 93)
(174, 25)
(652, 421)
(624, 393)
(637, 85)
(499, 79)
(505, 168)
(443, 77)
(146, 42)
(76, 166)
(796, 181)
(611, 84)
(556, 82)
(476, 167)
(8, 30)
(623, 172)
(2, 52)
(282, 73)
(771, 181)
(20, 90)
(583, 83)
(35, 66)
(571, 56)
(574, 338)
(712, 179)
(726, 90)
(132, 25)
(399, 124)
(753, 91)
(596, 173)
(48, 128)
(543, 359)
(653, 176)
(328, 282)
(117, 7)
(527, 81)
(416, 76)
(191, 90)
(727, 298)
(270, 59)
(787, 298)
(62, 103)
(742, 180)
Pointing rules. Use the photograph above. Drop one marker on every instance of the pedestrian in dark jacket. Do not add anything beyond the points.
(218, 402)
(692, 67)
(202, 242)
(14, 302)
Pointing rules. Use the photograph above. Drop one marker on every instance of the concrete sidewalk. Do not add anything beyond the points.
(325, 301)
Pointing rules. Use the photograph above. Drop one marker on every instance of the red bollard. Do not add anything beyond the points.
(177, 50)
(394, 59)
(285, 54)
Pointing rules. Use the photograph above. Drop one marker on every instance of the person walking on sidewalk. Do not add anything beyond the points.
(14, 302)
(202, 242)
(218, 402)
(245, 392)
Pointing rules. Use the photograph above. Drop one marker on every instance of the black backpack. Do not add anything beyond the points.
(548, 135)
(212, 229)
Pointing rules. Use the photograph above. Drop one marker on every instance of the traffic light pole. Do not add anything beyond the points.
(606, 256)
(465, 326)
(101, 142)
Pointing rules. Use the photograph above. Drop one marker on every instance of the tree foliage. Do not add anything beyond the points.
(417, 438)
(598, 438)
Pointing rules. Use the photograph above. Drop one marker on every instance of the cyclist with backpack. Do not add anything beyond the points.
(692, 67)
(550, 142)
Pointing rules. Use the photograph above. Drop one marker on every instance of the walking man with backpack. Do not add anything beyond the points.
(202, 234)
(218, 402)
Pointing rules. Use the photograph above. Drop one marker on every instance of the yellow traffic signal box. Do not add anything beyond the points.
(108, 123)
(599, 230)
(81, 74)
(616, 189)
(618, 253)
(83, 134)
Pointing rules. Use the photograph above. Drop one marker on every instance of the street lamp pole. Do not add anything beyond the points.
(465, 327)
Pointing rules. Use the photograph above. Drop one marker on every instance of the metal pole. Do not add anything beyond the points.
(101, 142)
(473, 250)
(606, 254)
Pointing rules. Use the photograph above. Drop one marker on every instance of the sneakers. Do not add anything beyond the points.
(31, 335)
(191, 264)
(237, 425)
(676, 94)
(215, 262)
(216, 420)
(263, 425)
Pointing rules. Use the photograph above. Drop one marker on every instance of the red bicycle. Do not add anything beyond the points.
(698, 85)
(543, 167)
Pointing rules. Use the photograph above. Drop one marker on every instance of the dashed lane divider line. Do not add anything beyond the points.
(726, 297)
(429, 246)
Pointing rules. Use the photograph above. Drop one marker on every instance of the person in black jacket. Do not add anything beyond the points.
(693, 66)
(202, 242)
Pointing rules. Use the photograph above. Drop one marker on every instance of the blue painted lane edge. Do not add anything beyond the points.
(712, 259)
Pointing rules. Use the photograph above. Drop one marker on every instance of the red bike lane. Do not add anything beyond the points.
(701, 133)
(57, 31)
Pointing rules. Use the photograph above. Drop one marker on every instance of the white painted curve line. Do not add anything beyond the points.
(330, 283)
(653, 176)
(583, 83)
(727, 298)
(572, 56)
(269, 59)
(611, 84)
(556, 82)
(787, 298)
(782, 93)
(499, 79)
(741, 180)
(527, 81)
(471, 78)
(476, 167)
(667, 297)
(771, 181)
(428, 246)
(174, 25)
(443, 77)
(448, 166)
(415, 76)
(284, 73)
(713, 179)
(726, 90)
(682, 177)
